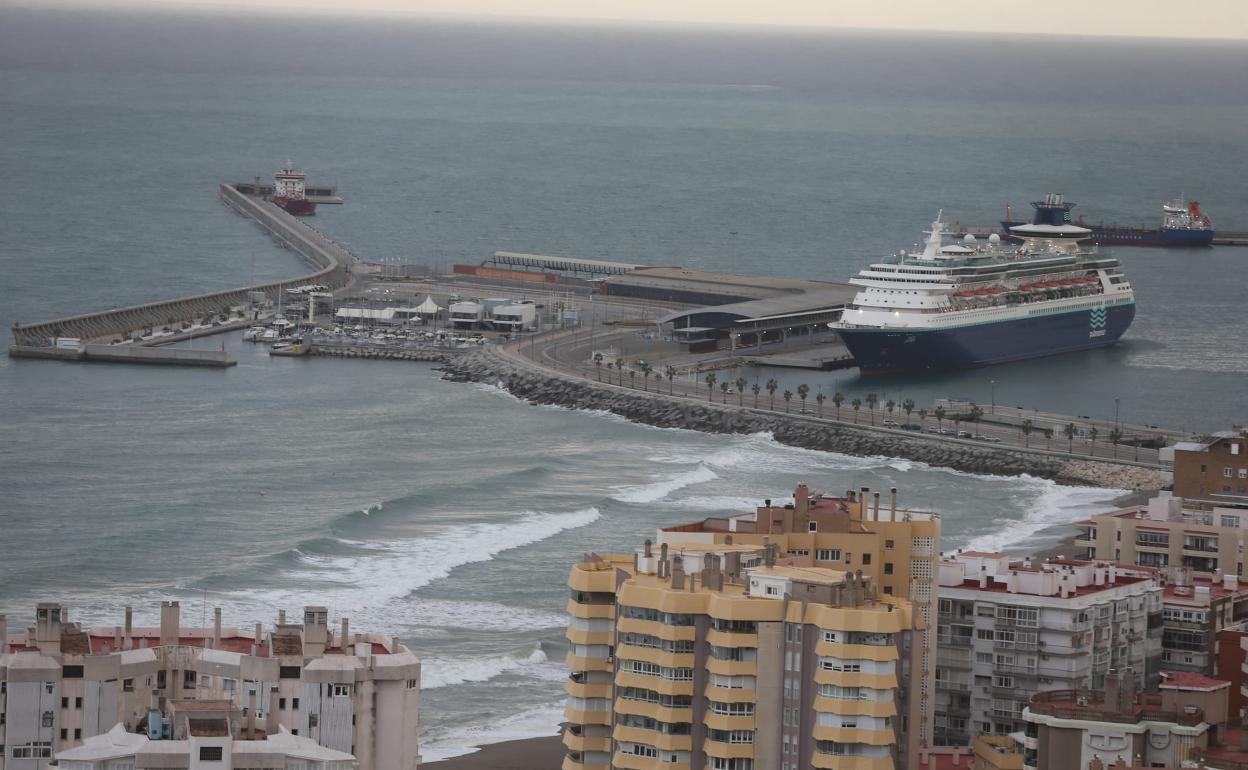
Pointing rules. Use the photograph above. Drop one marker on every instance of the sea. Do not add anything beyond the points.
(449, 514)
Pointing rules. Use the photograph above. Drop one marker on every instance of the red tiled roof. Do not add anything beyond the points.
(1191, 680)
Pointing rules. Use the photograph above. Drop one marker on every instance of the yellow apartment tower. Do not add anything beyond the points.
(729, 648)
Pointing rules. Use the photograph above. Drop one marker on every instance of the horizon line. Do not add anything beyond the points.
(239, 8)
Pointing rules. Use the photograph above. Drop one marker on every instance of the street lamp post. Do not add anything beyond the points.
(994, 395)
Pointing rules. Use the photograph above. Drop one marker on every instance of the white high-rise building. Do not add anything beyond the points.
(1008, 631)
(354, 693)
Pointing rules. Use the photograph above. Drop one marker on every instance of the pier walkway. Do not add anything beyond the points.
(212, 312)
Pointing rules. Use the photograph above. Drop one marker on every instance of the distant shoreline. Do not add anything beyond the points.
(545, 753)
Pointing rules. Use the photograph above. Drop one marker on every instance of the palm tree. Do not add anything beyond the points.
(740, 383)
(772, 387)
(838, 398)
(710, 386)
(646, 369)
(619, 367)
(819, 398)
(856, 404)
(890, 405)
(907, 406)
(872, 400)
(1025, 427)
(922, 418)
(1048, 439)
(755, 388)
(723, 389)
(788, 396)
(976, 413)
(610, 366)
(1092, 434)
(939, 414)
(598, 365)
(670, 372)
(632, 378)
(1115, 437)
(803, 391)
(1069, 432)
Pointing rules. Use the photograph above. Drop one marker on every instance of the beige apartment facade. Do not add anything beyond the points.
(724, 656)
(898, 548)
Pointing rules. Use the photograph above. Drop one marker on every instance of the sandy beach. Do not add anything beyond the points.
(544, 753)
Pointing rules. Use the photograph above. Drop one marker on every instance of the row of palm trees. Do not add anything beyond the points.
(871, 400)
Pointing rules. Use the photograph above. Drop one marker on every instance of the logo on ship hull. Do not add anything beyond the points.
(1098, 319)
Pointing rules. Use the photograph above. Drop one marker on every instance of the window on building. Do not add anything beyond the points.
(188, 679)
(313, 720)
(888, 545)
(866, 558)
(77, 703)
(210, 753)
(71, 672)
(888, 590)
(888, 568)
(77, 733)
(1228, 472)
(294, 702)
(828, 554)
(281, 703)
(288, 672)
(812, 526)
(64, 734)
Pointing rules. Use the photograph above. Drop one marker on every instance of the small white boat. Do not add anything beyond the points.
(252, 334)
(269, 335)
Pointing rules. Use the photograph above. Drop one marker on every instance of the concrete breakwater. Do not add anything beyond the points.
(328, 260)
(660, 410)
(385, 354)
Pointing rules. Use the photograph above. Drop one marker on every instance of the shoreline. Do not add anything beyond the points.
(544, 753)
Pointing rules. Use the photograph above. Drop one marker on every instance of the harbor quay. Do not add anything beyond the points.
(168, 321)
(293, 695)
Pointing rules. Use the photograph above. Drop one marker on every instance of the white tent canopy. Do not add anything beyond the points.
(428, 307)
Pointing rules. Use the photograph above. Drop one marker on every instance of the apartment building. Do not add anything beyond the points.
(1006, 631)
(1194, 612)
(1214, 470)
(1202, 524)
(730, 657)
(202, 735)
(60, 683)
(898, 548)
(1182, 724)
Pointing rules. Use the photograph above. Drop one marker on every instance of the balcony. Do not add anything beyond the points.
(1001, 644)
(953, 641)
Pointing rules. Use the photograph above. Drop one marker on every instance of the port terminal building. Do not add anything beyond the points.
(735, 311)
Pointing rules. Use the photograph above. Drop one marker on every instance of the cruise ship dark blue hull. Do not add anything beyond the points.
(886, 351)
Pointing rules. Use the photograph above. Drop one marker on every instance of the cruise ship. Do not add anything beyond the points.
(966, 304)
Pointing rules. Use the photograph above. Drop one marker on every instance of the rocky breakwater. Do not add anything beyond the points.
(660, 410)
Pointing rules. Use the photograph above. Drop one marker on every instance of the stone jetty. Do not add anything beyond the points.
(541, 386)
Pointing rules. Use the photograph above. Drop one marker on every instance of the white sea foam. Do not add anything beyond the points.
(444, 672)
(484, 616)
(664, 486)
(367, 586)
(534, 722)
(1049, 504)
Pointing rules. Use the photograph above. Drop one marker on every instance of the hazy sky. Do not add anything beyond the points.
(1227, 19)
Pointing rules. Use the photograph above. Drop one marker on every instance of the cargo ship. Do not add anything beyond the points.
(1182, 225)
(289, 192)
(971, 304)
